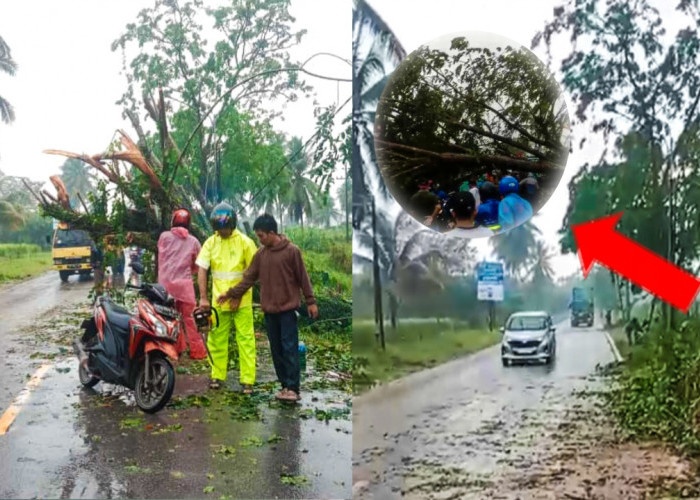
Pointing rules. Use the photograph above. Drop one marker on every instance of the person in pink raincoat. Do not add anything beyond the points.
(177, 251)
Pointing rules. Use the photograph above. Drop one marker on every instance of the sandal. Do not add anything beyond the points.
(247, 389)
(290, 395)
(215, 384)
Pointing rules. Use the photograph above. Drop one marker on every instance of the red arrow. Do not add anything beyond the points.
(598, 241)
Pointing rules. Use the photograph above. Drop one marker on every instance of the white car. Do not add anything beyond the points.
(528, 336)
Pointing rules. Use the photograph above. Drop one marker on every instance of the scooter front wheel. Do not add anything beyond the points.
(85, 378)
(153, 395)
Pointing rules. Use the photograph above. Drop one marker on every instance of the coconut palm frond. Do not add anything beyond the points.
(7, 112)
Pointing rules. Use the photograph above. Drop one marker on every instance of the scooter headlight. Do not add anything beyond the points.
(158, 325)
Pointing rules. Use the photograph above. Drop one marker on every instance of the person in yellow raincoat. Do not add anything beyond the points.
(228, 253)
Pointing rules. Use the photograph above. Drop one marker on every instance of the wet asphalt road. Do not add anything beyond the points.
(19, 304)
(467, 428)
(70, 442)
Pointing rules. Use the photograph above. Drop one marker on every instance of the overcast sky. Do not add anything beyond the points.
(68, 80)
(417, 23)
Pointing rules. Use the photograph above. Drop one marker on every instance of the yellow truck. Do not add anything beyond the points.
(71, 251)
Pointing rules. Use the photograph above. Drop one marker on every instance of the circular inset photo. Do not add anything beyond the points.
(472, 134)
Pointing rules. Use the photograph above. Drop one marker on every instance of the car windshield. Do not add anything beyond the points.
(527, 323)
(72, 238)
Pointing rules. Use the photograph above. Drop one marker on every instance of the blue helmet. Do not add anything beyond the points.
(508, 185)
(223, 217)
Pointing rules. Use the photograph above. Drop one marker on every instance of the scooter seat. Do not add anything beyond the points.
(117, 316)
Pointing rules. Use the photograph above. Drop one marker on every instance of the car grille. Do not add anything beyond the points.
(523, 344)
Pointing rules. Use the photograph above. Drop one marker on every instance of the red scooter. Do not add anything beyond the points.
(132, 350)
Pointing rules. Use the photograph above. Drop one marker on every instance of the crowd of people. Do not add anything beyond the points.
(236, 264)
(483, 206)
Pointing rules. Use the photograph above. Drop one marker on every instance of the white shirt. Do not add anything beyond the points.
(471, 232)
(477, 198)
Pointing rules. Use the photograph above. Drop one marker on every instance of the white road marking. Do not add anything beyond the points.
(11, 413)
(613, 347)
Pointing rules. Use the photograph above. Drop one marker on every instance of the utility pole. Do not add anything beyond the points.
(378, 313)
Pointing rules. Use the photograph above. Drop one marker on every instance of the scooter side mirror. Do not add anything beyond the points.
(137, 267)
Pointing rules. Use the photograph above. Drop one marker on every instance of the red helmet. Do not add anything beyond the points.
(180, 218)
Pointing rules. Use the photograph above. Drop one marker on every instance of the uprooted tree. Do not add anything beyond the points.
(451, 114)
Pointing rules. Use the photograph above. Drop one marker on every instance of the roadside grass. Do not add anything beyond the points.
(19, 266)
(411, 348)
(657, 393)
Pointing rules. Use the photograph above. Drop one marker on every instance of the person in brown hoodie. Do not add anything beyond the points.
(279, 268)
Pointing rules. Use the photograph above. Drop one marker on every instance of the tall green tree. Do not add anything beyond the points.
(9, 66)
(639, 89)
(239, 67)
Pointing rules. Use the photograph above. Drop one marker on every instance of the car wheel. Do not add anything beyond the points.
(64, 275)
(506, 362)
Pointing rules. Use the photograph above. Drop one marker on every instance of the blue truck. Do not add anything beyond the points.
(582, 306)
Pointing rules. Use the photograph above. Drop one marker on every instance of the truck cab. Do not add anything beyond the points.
(71, 250)
(582, 307)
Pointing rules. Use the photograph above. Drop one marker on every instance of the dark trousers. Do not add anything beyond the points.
(283, 334)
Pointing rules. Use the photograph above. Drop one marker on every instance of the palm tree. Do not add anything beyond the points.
(516, 248)
(7, 113)
(376, 52)
(542, 271)
(76, 178)
(303, 192)
(326, 212)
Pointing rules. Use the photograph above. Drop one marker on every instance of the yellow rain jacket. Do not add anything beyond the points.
(228, 259)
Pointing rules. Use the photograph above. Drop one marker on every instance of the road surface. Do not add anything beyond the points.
(70, 442)
(470, 428)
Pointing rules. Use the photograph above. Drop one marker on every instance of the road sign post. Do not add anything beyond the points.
(490, 287)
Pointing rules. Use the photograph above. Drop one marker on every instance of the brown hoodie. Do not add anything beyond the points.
(282, 274)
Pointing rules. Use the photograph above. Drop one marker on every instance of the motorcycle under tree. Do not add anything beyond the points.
(132, 350)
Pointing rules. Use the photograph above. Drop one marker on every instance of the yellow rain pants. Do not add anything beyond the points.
(218, 339)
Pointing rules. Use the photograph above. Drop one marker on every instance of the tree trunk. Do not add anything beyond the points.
(347, 210)
(393, 309)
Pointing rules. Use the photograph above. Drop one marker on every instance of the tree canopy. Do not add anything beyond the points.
(639, 90)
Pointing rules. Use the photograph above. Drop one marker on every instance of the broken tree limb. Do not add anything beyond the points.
(61, 191)
(82, 202)
(133, 155)
(87, 159)
(49, 196)
(467, 160)
(29, 188)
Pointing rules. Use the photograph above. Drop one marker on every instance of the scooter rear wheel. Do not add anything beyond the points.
(156, 395)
